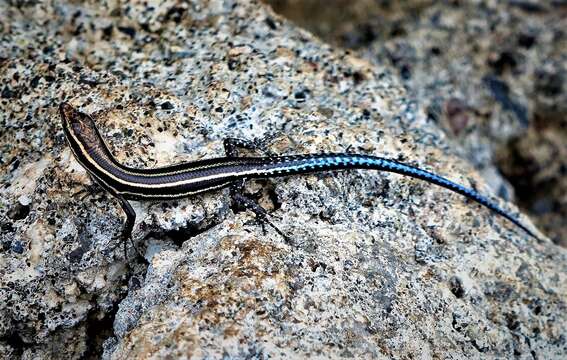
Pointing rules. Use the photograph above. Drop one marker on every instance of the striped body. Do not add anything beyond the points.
(186, 179)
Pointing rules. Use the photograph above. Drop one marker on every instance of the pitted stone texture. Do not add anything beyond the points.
(345, 292)
(167, 82)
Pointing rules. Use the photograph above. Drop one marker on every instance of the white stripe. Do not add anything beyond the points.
(172, 184)
(180, 195)
(194, 168)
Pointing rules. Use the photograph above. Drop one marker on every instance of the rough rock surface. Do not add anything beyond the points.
(380, 265)
(491, 73)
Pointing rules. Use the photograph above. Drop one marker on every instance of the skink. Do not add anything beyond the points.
(189, 178)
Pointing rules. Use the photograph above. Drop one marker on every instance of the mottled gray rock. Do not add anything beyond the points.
(379, 266)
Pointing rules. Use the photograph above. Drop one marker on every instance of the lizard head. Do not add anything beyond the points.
(80, 129)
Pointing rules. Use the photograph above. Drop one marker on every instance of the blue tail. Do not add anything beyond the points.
(298, 164)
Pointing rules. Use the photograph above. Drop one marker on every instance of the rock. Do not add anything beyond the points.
(380, 265)
(490, 73)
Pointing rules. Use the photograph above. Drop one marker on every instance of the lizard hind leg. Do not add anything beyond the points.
(262, 215)
(242, 201)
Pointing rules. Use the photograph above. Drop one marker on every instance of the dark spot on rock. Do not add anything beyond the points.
(505, 60)
(318, 264)
(17, 247)
(528, 6)
(270, 22)
(366, 113)
(15, 164)
(19, 212)
(167, 105)
(7, 93)
(457, 324)
(327, 112)
(175, 14)
(456, 286)
(232, 63)
(501, 93)
(549, 84)
(526, 40)
(107, 32)
(219, 109)
(179, 236)
(76, 255)
(6, 245)
(130, 31)
(405, 72)
(146, 27)
(397, 29)
(7, 227)
(15, 342)
(35, 81)
(512, 321)
(49, 78)
(134, 283)
(78, 29)
(358, 77)
(436, 51)
(479, 348)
